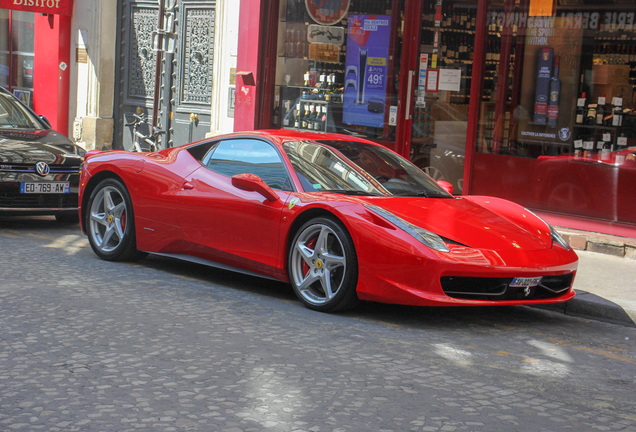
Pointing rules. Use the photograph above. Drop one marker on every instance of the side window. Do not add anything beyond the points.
(248, 156)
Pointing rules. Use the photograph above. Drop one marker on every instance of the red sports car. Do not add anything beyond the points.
(342, 219)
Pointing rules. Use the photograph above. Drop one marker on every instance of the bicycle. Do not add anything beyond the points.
(143, 142)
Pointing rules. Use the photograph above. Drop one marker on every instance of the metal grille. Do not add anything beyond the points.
(55, 169)
(32, 201)
(475, 288)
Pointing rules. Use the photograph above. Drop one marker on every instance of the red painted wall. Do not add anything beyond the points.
(51, 82)
(247, 61)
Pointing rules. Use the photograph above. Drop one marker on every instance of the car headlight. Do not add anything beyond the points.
(556, 237)
(428, 238)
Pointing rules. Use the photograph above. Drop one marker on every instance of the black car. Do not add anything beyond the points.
(39, 168)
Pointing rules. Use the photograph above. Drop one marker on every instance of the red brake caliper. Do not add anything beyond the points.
(123, 221)
(310, 245)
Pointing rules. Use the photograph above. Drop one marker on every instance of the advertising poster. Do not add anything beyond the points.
(366, 70)
(551, 66)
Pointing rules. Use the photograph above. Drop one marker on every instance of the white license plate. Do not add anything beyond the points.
(526, 282)
(44, 188)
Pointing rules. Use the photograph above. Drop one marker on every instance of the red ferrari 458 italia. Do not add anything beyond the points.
(342, 219)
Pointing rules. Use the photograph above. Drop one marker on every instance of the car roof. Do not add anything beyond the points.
(280, 136)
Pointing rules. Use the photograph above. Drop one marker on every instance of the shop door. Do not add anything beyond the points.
(437, 125)
(186, 76)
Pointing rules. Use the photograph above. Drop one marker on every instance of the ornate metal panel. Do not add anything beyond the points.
(186, 78)
(196, 58)
(141, 67)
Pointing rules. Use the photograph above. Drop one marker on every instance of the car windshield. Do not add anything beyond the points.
(15, 116)
(358, 169)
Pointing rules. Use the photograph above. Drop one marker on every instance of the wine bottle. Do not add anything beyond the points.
(555, 95)
(323, 119)
(312, 117)
(590, 118)
(588, 147)
(578, 147)
(276, 113)
(297, 117)
(580, 109)
(305, 118)
(600, 110)
(617, 120)
(318, 118)
(605, 151)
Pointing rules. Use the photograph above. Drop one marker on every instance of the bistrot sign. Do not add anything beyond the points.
(56, 7)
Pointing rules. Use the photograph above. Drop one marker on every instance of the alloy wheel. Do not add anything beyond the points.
(318, 264)
(108, 219)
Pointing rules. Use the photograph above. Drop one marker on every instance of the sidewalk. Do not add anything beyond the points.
(601, 243)
(606, 289)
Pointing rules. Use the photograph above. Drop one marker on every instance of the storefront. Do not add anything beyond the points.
(35, 55)
(529, 100)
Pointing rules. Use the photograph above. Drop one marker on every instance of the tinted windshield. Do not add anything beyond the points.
(15, 116)
(354, 167)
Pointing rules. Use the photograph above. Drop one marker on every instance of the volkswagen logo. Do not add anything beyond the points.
(42, 168)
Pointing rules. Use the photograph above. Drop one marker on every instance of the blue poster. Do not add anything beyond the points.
(366, 70)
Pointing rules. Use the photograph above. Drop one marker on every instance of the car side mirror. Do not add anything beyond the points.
(446, 186)
(45, 121)
(253, 183)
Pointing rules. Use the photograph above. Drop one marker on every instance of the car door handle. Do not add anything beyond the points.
(188, 186)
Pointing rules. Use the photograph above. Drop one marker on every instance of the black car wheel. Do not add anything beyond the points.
(323, 267)
(110, 222)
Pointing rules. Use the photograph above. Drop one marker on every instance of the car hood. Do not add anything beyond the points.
(473, 223)
(29, 147)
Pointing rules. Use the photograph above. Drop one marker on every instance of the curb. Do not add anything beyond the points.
(601, 243)
(592, 306)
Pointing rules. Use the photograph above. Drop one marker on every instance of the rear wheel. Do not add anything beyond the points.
(110, 222)
(323, 267)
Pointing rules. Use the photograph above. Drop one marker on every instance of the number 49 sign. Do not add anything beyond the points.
(366, 70)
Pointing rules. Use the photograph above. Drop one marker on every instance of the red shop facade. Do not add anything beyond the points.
(528, 100)
(35, 40)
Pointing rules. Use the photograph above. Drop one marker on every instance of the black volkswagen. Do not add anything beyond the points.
(39, 168)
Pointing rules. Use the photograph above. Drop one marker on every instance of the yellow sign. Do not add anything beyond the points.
(324, 53)
(376, 61)
(541, 8)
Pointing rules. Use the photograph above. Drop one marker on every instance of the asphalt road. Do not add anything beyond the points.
(88, 345)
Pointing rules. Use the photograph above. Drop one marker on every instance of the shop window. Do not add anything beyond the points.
(17, 53)
(440, 114)
(556, 128)
(337, 67)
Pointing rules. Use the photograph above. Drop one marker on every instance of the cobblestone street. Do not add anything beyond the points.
(161, 345)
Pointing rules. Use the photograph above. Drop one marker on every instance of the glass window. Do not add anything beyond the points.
(17, 33)
(353, 167)
(440, 115)
(248, 156)
(338, 66)
(557, 130)
(15, 116)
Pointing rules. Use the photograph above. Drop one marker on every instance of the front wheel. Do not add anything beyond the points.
(323, 267)
(110, 222)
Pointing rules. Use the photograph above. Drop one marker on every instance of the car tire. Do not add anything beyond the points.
(67, 218)
(110, 222)
(323, 266)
